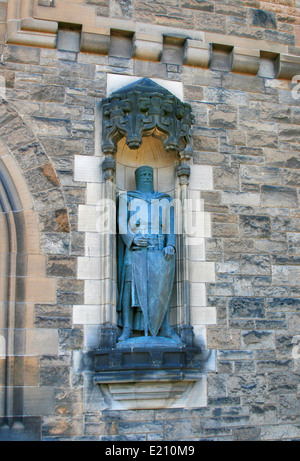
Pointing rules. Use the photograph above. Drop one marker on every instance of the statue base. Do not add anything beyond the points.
(152, 372)
(149, 342)
(149, 358)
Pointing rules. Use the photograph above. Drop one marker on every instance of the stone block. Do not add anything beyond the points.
(262, 18)
(47, 93)
(62, 426)
(285, 275)
(203, 315)
(88, 169)
(223, 117)
(150, 69)
(224, 96)
(68, 40)
(89, 218)
(94, 315)
(55, 243)
(100, 292)
(38, 401)
(70, 339)
(48, 126)
(55, 376)
(294, 243)
(135, 427)
(201, 271)
(41, 341)
(247, 384)
(261, 175)
(94, 193)
(196, 251)
(182, 429)
(36, 289)
(258, 339)
(121, 44)
(283, 383)
(201, 177)
(246, 434)
(226, 178)
(279, 37)
(61, 266)
(78, 70)
(68, 401)
(247, 307)
(240, 198)
(219, 338)
(255, 226)
(90, 268)
(256, 265)
(221, 59)
(97, 245)
(22, 54)
(50, 316)
(280, 432)
(279, 196)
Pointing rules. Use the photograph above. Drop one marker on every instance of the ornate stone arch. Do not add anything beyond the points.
(23, 279)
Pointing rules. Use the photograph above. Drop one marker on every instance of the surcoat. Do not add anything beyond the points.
(150, 215)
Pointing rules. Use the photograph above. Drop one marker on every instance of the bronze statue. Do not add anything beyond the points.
(146, 256)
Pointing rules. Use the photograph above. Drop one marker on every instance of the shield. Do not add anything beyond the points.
(153, 277)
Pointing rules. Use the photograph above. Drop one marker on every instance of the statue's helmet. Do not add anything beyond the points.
(141, 170)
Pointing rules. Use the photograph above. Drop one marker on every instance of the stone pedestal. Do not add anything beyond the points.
(152, 372)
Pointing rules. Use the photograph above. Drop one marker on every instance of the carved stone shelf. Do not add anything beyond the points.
(151, 372)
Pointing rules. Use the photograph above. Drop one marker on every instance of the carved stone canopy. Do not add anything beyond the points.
(145, 108)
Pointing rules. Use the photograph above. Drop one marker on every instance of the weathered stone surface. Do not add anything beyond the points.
(247, 384)
(279, 196)
(255, 226)
(236, 62)
(62, 426)
(20, 54)
(247, 307)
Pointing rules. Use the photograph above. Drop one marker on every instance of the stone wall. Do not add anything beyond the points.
(235, 61)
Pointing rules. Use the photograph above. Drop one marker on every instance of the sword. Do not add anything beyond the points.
(145, 293)
(141, 281)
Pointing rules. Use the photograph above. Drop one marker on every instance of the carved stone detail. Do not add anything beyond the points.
(109, 167)
(183, 173)
(143, 109)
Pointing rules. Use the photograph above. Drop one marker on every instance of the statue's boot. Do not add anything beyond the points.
(125, 335)
(170, 333)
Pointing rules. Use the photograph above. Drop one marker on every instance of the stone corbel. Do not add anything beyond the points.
(147, 47)
(287, 67)
(245, 60)
(197, 53)
(95, 40)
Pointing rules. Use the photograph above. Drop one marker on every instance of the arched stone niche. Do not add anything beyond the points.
(145, 124)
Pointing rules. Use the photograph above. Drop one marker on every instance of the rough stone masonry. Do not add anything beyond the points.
(237, 63)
